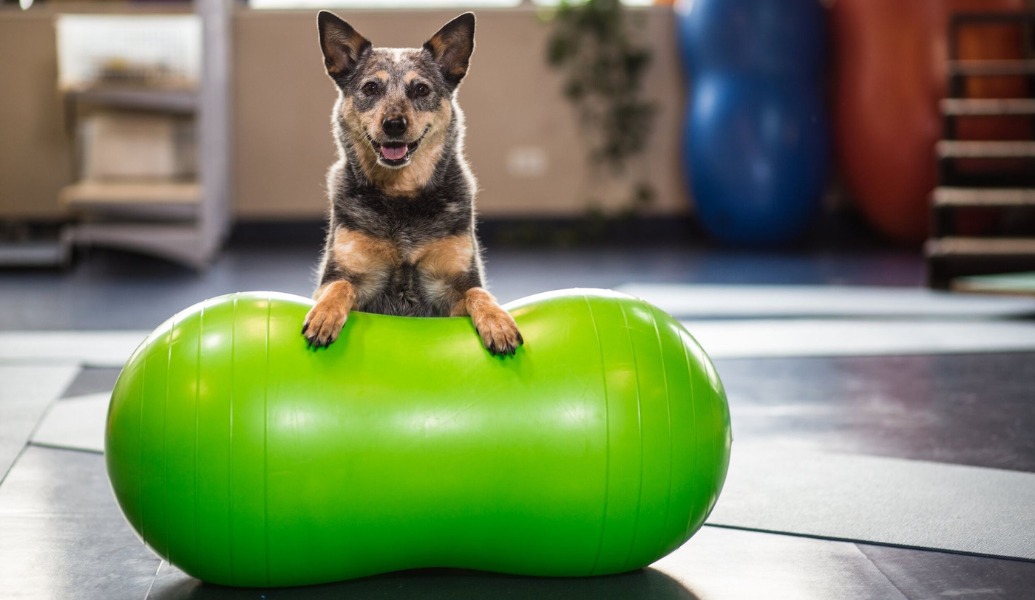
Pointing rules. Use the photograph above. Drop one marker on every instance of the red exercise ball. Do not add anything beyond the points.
(890, 73)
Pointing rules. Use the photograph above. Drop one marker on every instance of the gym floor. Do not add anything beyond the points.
(883, 442)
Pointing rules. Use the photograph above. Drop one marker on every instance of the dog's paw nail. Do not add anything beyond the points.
(502, 349)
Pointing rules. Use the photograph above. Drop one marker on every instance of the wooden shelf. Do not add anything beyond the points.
(980, 247)
(982, 197)
(987, 107)
(974, 149)
(990, 18)
(169, 100)
(991, 68)
(167, 200)
(1012, 284)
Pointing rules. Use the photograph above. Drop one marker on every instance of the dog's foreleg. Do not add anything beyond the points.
(325, 320)
(496, 327)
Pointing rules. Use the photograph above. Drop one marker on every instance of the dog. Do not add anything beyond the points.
(401, 226)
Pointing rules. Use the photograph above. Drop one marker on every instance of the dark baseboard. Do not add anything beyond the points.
(279, 233)
(839, 230)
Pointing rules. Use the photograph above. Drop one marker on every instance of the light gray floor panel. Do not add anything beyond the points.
(63, 535)
(25, 393)
(858, 337)
(804, 301)
(81, 348)
(75, 423)
(890, 501)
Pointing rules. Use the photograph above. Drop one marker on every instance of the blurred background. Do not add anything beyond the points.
(171, 129)
(812, 187)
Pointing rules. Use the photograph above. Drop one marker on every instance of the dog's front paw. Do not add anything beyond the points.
(499, 332)
(323, 324)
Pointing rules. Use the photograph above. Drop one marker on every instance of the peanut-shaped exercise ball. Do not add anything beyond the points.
(244, 457)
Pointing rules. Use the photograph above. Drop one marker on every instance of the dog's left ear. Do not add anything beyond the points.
(452, 47)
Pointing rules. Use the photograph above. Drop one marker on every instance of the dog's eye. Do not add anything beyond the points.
(371, 88)
(421, 89)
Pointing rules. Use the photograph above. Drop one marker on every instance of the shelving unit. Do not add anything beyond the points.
(1004, 188)
(184, 221)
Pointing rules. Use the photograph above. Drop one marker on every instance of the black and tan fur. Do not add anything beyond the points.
(401, 236)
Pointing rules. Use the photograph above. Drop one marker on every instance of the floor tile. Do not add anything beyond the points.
(63, 535)
(75, 423)
(25, 393)
(961, 409)
(939, 575)
(720, 563)
(44, 557)
(92, 381)
(53, 482)
(884, 500)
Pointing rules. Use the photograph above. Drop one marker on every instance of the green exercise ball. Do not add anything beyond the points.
(246, 458)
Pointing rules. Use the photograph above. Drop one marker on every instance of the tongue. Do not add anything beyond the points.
(394, 152)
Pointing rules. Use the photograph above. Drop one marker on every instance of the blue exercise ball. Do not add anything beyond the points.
(756, 131)
(785, 37)
(756, 152)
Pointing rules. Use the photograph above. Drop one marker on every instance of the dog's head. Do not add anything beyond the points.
(396, 103)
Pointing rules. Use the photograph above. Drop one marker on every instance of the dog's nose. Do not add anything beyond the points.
(394, 125)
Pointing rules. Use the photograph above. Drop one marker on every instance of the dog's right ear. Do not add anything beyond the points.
(342, 46)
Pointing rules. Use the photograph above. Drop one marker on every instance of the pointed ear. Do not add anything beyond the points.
(452, 46)
(342, 46)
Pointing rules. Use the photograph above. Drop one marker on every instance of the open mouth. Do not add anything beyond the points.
(396, 154)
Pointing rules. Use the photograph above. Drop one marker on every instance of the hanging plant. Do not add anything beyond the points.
(593, 46)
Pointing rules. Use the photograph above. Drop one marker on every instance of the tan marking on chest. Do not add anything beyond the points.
(362, 254)
(444, 257)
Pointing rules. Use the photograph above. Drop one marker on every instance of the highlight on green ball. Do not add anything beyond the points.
(245, 459)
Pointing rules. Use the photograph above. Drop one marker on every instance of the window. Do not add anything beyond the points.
(385, 4)
(390, 4)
